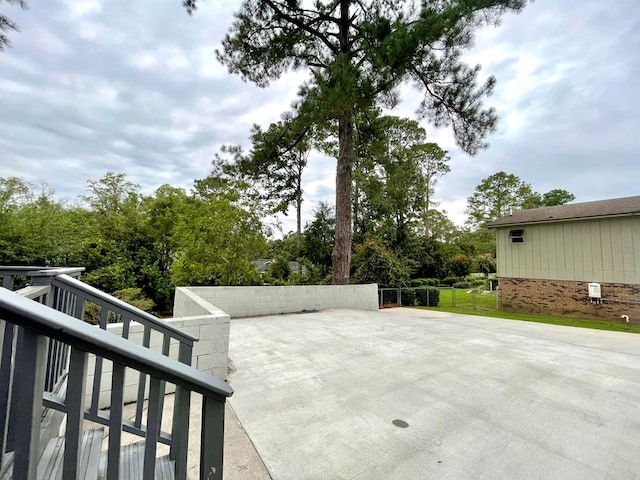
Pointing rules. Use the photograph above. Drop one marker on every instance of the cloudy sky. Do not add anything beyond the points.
(92, 86)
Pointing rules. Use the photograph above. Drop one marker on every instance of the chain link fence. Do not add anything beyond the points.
(473, 299)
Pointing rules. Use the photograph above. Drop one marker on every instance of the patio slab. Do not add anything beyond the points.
(481, 398)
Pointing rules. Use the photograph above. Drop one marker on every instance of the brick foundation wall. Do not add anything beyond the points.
(569, 299)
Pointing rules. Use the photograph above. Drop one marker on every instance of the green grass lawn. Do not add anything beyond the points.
(529, 317)
(462, 299)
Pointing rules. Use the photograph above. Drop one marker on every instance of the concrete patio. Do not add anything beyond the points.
(318, 394)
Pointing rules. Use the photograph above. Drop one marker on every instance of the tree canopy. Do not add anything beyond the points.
(500, 193)
(357, 54)
(7, 25)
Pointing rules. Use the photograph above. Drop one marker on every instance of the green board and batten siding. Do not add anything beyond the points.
(605, 250)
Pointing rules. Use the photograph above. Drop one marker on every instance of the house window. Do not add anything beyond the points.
(516, 236)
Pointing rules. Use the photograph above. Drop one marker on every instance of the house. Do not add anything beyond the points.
(262, 265)
(580, 260)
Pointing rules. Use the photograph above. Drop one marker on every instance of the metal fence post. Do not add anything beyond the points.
(453, 297)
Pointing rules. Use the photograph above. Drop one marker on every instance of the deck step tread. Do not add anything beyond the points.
(132, 464)
(51, 462)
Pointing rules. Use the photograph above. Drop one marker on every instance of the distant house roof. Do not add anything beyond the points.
(573, 211)
(262, 265)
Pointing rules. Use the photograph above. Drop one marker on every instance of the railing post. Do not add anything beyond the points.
(115, 422)
(26, 401)
(77, 380)
(211, 439)
(181, 413)
(154, 419)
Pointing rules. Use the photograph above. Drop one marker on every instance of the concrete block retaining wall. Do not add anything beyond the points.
(254, 301)
(570, 299)
(209, 353)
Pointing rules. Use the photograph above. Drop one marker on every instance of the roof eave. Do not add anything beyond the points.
(556, 220)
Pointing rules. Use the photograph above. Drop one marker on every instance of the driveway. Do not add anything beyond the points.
(412, 394)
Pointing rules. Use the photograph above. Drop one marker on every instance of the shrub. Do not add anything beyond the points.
(460, 265)
(419, 282)
(372, 262)
(448, 281)
(428, 296)
(408, 297)
(472, 282)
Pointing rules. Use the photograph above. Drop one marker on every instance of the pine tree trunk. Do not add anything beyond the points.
(299, 222)
(341, 255)
(425, 219)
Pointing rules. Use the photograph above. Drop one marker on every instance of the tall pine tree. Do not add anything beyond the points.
(358, 53)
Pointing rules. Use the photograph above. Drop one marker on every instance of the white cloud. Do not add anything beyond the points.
(82, 8)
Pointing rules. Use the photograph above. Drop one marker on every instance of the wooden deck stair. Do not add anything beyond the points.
(93, 460)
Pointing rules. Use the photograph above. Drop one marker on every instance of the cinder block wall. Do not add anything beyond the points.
(569, 299)
(209, 353)
(254, 301)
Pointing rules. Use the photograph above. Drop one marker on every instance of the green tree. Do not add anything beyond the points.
(432, 161)
(395, 179)
(495, 197)
(317, 240)
(375, 263)
(287, 246)
(486, 264)
(218, 237)
(276, 162)
(554, 197)
(358, 53)
(460, 265)
(279, 269)
(6, 25)
(13, 193)
(442, 227)
(109, 194)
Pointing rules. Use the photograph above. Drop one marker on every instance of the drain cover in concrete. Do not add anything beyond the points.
(400, 423)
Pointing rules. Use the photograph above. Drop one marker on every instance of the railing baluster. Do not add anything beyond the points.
(115, 421)
(180, 430)
(154, 421)
(142, 379)
(211, 439)
(75, 413)
(78, 309)
(126, 324)
(97, 372)
(52, 369)
(26, 402)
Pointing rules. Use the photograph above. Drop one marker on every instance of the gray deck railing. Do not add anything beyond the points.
(71, 296)
(30, 327)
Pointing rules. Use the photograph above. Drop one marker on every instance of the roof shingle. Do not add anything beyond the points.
(573, 211)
